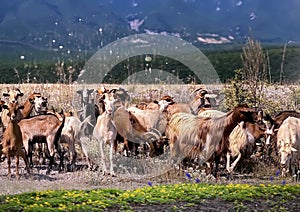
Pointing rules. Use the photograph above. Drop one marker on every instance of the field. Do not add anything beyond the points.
(140, 183)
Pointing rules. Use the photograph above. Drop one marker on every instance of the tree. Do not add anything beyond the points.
(255, 70)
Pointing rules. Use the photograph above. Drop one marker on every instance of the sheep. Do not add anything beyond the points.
(43, 128)
(12, 139)
(105, 130)
(288, 144)
(203, 138)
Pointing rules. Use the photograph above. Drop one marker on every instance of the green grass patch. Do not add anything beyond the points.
(100, 199)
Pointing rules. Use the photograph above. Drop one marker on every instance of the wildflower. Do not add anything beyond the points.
(271, 178)
(188, 175)
(149, 183)
(283, 182)
(197, 180)
(277, 173)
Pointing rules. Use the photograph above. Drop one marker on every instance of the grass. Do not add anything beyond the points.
(191, 193)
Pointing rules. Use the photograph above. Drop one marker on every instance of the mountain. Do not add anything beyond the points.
(77, 25)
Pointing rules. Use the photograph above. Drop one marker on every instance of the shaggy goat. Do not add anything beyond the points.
(203, 138)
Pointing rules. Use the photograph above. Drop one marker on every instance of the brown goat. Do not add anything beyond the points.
(43, 128)
(12, 139)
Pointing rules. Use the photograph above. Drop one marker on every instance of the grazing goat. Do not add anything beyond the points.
(288, 144)
(43, 128)
(153, 121)
(133, 133)
(12, 139)
(205, 138)
(241, 139)
(105, 130)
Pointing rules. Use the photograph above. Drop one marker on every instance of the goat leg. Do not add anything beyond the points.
(17, 167)
(102, 158)
(9, 164)
(111, 161)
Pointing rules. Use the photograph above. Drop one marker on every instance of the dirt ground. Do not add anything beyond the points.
(85, 179)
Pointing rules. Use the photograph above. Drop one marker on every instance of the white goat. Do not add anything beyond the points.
(288, 145)
(105, 130)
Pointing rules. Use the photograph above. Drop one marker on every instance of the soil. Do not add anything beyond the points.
(85, 179)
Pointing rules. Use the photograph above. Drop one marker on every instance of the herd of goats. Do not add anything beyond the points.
(193, 131)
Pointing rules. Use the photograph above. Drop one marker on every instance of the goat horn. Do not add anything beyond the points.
(155, 131)
(148, 135)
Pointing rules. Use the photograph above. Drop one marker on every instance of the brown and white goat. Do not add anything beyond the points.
(32, 102)
(205, 138)
(13, 95)
(12, 142)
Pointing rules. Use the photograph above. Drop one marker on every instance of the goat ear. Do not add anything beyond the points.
(5, 94)
(5, 107)
(21, 107)
(112, 91)
(79, 92)
(31, 100)
(293, 149)
(155, 101)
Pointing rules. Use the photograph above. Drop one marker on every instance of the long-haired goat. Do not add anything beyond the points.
(205, 138)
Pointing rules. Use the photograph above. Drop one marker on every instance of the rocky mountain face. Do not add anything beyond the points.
(89, 25)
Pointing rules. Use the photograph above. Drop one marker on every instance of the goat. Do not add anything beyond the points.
(168, 105)
(13, 95)
(241, 138)
(43, 128)
(205, 138)
(32, 102)
(105, 130)
(12, 139)
(288, 144)
(153, 121)
(74, 132)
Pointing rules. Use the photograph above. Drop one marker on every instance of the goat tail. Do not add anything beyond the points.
(59, 131)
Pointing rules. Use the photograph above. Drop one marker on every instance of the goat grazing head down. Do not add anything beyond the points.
(286, 152)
